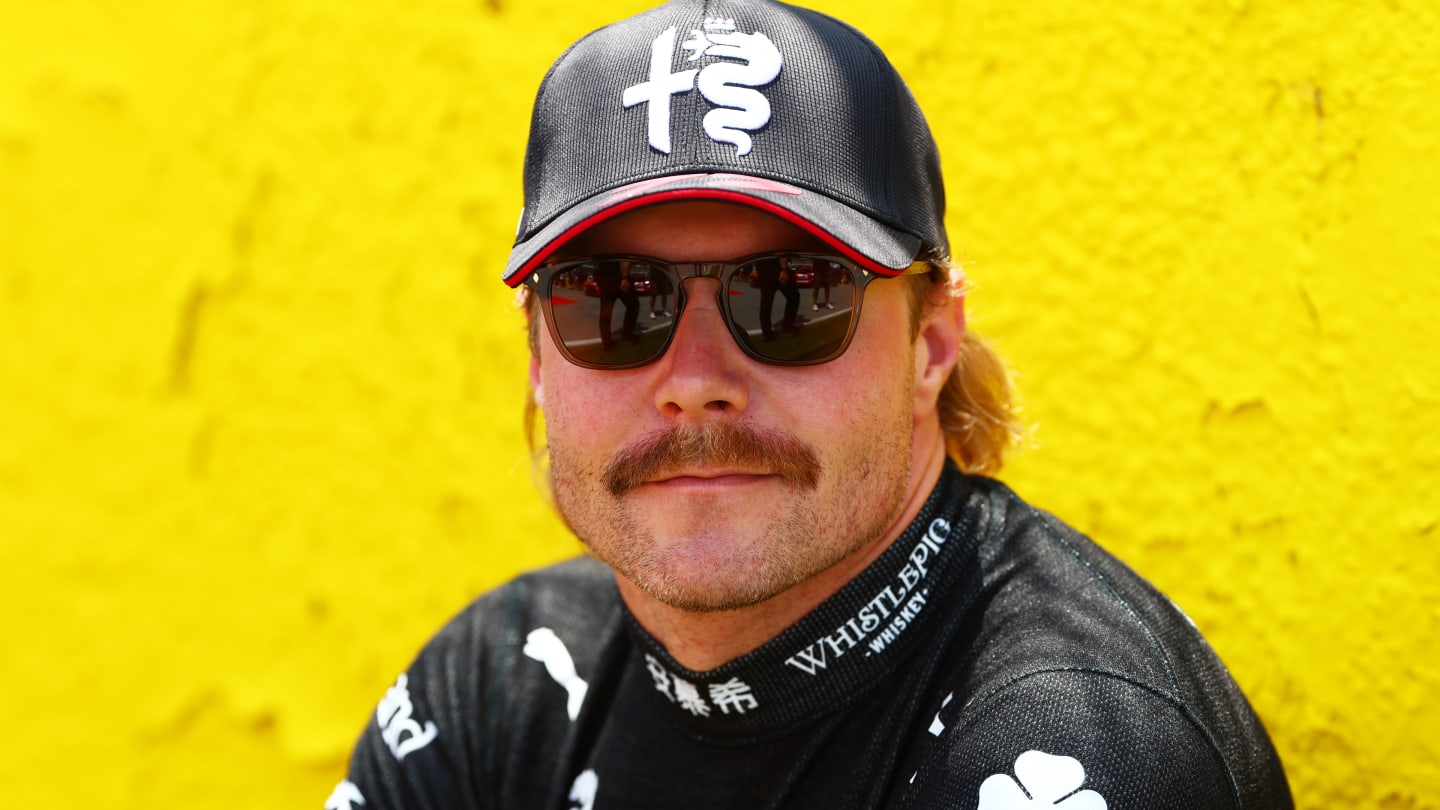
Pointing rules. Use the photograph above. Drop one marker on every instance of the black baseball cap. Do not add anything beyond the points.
(774, 106)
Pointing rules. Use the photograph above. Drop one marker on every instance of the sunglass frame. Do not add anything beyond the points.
(540, 282)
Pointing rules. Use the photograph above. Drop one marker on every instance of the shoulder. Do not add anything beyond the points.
(503, 679)
(1107, 740)
(569, 602)
(1068, 663)
(1048, 598)
(568, 597)
(547, 625)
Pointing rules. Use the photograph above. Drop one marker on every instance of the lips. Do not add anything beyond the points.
(708, 474)
(710, 479)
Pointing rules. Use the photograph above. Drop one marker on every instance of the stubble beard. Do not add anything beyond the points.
(830, 512)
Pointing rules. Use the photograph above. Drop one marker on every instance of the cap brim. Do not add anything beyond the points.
(871, 244)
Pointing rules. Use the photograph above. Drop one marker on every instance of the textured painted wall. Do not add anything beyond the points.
(260, 389)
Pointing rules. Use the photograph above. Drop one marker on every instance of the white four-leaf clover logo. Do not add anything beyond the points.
(1045, 781)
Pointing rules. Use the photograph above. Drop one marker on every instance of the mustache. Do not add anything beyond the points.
(687, 447)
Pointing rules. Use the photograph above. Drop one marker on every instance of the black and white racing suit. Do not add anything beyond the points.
(992, 658)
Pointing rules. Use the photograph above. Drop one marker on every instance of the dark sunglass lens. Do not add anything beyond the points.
(613, 312)
(792, 309)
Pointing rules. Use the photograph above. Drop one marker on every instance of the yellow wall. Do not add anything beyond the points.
(260, 390)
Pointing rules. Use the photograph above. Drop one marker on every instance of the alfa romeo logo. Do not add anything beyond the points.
(743, 63)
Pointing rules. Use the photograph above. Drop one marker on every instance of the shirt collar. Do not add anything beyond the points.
(833, 655)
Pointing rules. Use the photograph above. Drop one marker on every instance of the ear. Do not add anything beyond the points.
(937, 349)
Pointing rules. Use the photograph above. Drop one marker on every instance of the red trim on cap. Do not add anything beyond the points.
(640, 187)
(698, 193)
(739, 182)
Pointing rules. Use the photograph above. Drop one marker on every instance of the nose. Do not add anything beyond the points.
(703, 375)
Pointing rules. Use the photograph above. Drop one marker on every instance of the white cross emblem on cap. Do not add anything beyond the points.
(729, 85)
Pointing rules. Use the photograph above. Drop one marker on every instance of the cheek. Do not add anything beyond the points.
(880, 362)
(583, 408)
(861, 399)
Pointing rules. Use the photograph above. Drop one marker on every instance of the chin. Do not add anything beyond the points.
(710, 573)
(706, 596)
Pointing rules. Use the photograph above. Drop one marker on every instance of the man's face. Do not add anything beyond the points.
(712, 481)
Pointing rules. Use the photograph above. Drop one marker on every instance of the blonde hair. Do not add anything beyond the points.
(977, 405)
(977, 408)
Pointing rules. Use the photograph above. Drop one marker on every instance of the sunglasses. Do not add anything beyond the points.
(615, 312)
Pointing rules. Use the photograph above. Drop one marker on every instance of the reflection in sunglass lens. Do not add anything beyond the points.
(791, 309)
(613, 312)
(619, 312)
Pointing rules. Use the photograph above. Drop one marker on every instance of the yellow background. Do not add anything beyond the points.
(260, 388)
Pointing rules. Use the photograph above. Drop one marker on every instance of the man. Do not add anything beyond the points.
(773, 274)
(821, 283)
(613, 282)
(801, 594)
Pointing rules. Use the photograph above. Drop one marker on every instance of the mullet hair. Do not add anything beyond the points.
(977, 407)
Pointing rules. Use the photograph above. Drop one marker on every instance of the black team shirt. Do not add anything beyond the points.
(991, 659)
